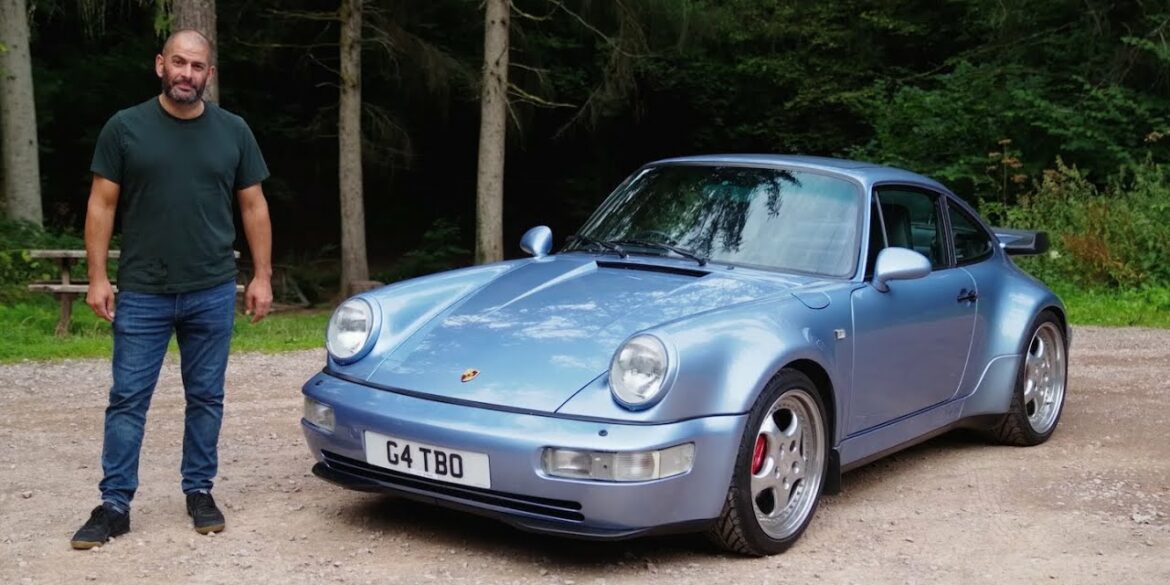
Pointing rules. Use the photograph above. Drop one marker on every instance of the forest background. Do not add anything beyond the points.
(1045, 114)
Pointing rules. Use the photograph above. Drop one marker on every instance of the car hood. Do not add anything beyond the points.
(538, 333)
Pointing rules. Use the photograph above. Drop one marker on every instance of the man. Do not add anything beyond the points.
(171, 166)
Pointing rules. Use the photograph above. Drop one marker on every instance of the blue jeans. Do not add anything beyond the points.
(143, 323)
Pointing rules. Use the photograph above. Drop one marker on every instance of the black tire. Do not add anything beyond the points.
(1024, 425)
(794, 402)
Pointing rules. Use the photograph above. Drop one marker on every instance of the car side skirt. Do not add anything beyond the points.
(869, 445)
(991, 398)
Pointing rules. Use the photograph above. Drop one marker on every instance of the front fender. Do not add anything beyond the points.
(726, 357)
(408, 305)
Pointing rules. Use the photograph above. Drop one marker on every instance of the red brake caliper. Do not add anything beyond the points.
(758, 454)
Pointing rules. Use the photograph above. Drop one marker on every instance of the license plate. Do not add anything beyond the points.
(430, 461)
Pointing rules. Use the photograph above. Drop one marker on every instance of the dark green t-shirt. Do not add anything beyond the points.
(178, 179)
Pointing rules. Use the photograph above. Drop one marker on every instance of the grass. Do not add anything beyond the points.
(27, 326)
(1116, 308)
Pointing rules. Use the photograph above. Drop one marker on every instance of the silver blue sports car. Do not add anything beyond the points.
(724, 337)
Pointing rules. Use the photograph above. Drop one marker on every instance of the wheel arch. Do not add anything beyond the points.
(823, 384)
(992, 393)
(1061, 318)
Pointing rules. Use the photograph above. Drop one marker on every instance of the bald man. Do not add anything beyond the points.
(171, 167)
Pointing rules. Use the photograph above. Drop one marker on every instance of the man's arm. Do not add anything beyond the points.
(258, 230)
(99, 226)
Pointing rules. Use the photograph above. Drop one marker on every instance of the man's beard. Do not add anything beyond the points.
(174, 93)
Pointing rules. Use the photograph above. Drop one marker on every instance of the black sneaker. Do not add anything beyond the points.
(103, 523)
(201, 508)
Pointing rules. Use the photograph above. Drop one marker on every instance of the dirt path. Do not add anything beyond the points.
(1090, 506)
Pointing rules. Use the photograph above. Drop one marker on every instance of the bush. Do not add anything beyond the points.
(17, 268)
(1113, 236)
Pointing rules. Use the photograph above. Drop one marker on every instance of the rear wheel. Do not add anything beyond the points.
(1039, 395)
(779, 471)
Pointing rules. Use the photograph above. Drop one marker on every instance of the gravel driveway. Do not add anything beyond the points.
(1090, 506)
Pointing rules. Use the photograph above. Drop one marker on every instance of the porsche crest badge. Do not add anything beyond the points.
(469, 375)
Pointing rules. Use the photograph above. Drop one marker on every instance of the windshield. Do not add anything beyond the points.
(762, 217)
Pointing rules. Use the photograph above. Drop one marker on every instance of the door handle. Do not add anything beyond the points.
(967, 296)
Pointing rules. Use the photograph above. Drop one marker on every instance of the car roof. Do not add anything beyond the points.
(866, 173)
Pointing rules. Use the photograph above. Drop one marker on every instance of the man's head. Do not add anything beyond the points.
(185, 65)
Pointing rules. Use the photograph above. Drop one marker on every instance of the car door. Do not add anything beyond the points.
(973, 249)
(911, 342)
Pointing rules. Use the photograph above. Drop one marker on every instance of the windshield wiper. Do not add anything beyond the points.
(607, 246)
(685, 253)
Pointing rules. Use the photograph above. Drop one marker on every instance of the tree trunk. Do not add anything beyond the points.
(354, 268)
(198, 15)
(489, 218)
(19, 163)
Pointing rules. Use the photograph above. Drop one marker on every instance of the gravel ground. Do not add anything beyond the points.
(1090, 506)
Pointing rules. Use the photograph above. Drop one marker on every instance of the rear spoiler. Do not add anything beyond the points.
(1021, 242)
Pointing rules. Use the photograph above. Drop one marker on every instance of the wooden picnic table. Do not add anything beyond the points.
(65, 289)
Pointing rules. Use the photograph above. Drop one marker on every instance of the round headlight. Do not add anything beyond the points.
(350, 330)
(638, 371)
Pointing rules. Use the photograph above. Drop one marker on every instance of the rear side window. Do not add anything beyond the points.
(971, 244)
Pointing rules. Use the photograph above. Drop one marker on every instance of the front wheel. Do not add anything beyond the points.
(779, 470)
(1038, 398)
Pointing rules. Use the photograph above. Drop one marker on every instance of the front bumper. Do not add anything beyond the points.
(520, 492)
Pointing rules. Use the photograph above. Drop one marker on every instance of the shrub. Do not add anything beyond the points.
(17, 268)
(1114, 236)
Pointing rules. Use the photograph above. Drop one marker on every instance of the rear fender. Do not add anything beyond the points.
(1009, 302)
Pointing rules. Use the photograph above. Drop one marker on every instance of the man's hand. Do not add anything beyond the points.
(100, 298)
(258, 229)
(258, 298)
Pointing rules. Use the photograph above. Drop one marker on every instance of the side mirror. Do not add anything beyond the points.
(537, 241)
(898, 264)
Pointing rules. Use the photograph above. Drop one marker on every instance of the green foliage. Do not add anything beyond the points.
(1160, 51)
(942, 130)
(162, 16)
(1106, 126)
(17, 268)
(440, 250)
(1103, 237)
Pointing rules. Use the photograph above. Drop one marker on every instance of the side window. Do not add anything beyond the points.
(971, 243)
(911, 220)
